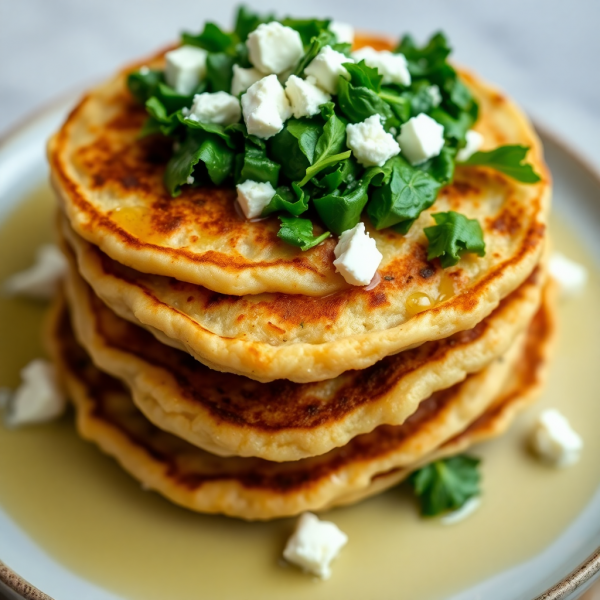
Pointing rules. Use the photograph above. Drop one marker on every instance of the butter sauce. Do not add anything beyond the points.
(82, 509)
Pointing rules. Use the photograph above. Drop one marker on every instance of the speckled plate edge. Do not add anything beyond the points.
(567, 588)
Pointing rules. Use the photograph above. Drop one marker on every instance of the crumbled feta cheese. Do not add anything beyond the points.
(327, 67)
(433, 91)
(42, 278)
(356, 256)
(344, 32)
(305, 96)
(571, 276)
(190, 180)
(144, 70)
(314, 545)
(392, 67)
(221, 108)
(38, 398)
(265, 107)
(474, 142)
(466, 510)
(253, 197)
(185, 68)
(370, 143)
(243, 79)
(274, 48)
(421, 138)
(554, 440)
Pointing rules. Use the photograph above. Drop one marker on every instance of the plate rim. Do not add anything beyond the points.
(584, 573)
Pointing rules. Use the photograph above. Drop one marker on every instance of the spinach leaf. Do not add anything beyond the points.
(333, 137)
(253, 164)
(359, 103)
(446, 484)
(142, 84)
(345, 172)
(307, 132)
(403, 197)
(212, 38)
(508, 160)
(160, 120)
(322, 164)
(247, 21)
(293, 200)
(307, 28)
(455, 129)
(341, 211)
(219, 71)
(440, 167)
(452, 236)
(214, 128)
(363, 75)
(299, 232)
(285, 147)
(196, 148)
(427, 59)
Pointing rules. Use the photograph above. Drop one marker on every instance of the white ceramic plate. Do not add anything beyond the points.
(23, 168)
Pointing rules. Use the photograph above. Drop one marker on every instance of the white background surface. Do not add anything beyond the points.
(543, 52)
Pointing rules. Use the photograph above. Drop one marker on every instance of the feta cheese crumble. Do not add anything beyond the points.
(421, 138)
(554, 440)
(433, 91)
(243, 79)
(220, 108)
(327, 67)
(344, 32)
(38, 398)
(370, 143)
(356, 256)
(185, 68)
(571, 276)
(466, 510)
(474, 142)
(265, 107)
(41, 280)
(253, 196)
(392, 67)
(274, 48)
(314, 545)
(305, 96)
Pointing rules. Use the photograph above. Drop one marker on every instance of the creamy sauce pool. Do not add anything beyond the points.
(83, 510)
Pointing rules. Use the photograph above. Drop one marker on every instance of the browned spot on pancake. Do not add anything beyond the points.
(274, 328)
(377, 300)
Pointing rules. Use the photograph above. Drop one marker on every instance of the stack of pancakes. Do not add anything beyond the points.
(235, 374)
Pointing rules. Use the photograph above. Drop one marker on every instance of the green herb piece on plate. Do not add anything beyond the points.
(508, 160)
(299, 232)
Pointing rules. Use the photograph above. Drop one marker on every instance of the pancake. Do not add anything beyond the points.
(282, 336)
(281, 421)
(110, 184)
(253, 488)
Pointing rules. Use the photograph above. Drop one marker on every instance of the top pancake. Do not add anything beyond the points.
(111, 186)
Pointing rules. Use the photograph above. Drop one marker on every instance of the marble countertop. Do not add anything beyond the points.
(542, 52)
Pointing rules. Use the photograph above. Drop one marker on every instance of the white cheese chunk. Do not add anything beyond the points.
(474, 142)
(356, 256)
(344, 32)
(554, 440)
(314, 545)
(571, 276)
(42, 278)
(370, 143)
(220, 108)
(38, 398)
(274, 48)
(265, 107)
(253, 196)
(421, 138)
(305, 96)
(392, 67)
(185, 68)
(466, 510)
(243, 79)
(433, 91)
(327, 67)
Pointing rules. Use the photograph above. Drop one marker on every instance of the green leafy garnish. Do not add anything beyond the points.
(254, 165)
(508, 160)
(446, 485)
(293, 201)
(299, 232)
(452, 236)
(212, 38)
(143, 83)
(407, 193)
